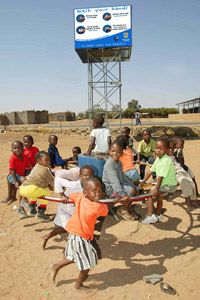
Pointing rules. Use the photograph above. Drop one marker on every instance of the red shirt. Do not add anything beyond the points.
(18, 165)
(30, 154)
(84, 218)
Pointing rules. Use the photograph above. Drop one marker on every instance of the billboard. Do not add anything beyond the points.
(103, 27)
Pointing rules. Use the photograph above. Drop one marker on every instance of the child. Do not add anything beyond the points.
(30, 151)
(55, 158)
(100, 139)
(74, 159)
(178, 154)
(166, 180)
(126, 131)
(115, 182)
(81, 230)
(65, 211)
(146, 150)
(18, 163)
(40, 182)
(126, 159)
(184, 179)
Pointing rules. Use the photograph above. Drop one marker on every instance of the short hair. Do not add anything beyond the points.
(86, 167)
(146, 130)
(78, 149)
(53, 136)
(165, 141)
(40, 154)
(122, 141)
(18, 142)
(99, 119)
(29, 137)
(178, 140)
(115, 143)
(89, 180)
(126, 128)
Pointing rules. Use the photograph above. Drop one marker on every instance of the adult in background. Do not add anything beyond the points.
(137, 118)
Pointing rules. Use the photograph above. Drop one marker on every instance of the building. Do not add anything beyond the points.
(62, 116)
(28, 117)
(190, 106)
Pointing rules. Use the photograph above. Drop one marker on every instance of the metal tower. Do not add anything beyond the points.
(104, 86)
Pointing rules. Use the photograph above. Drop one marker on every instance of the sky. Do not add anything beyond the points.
(39, 68)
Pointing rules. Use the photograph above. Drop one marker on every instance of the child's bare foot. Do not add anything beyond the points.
(191, 204)
(45, 240)
(6, 200)
(11, 201)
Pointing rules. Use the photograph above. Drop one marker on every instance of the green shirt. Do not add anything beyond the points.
(163, 167)
(146, 149)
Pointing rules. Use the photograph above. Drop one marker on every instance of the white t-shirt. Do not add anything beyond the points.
(101, 139)
(65, 211)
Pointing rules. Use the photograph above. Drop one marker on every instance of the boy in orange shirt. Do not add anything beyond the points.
(81, 230)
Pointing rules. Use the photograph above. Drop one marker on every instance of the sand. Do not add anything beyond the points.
(130, 250)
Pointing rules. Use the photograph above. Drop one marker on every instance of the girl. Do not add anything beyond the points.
(40, 182)
(116, 183)
(185, 180)
(18, 163)
(178, 154)
(126, 159)
(166, 180)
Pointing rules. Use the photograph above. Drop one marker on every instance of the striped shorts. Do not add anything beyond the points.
(81, 252)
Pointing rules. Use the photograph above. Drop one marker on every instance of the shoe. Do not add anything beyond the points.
(150, 219)
(42, 216)
(22, 213)
(159, 217)
(32, 210)
(168, 289)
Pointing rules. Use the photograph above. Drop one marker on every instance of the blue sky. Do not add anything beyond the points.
(39, 68)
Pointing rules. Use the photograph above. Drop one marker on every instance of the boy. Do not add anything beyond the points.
(126, 132)
(18, 163)
(81, 230)
(30, 151)
(100, 139)
(55, 158)
(65, 211)
(178, 154)
(166, 180)
(145, 151)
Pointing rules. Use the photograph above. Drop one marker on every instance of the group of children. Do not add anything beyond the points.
(31, 172)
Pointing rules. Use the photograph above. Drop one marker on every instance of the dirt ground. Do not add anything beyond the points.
(130, 250)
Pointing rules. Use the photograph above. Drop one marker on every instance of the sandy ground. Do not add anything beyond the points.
(130, 250)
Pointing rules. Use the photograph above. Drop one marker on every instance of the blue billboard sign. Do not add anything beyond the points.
(104, 27)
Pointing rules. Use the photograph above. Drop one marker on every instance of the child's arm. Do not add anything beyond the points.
(109, 142)
(149, 173)
(155, 191)
(91, 145)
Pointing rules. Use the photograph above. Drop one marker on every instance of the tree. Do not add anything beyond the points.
(134, 105)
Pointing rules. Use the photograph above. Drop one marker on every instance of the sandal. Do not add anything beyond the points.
(166, 288)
